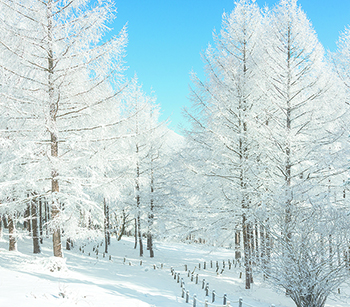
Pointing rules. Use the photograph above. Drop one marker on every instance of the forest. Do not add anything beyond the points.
(262, 169)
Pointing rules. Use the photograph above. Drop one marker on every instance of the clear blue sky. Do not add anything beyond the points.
(166, 38)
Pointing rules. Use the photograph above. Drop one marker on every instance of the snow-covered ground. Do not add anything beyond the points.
(29, 280)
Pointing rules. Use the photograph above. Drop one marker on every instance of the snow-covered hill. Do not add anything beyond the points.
(87, 279)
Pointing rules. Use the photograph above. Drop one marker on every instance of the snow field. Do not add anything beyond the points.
(34, 280)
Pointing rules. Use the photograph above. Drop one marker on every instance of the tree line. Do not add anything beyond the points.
(76, 135)
(269, 148)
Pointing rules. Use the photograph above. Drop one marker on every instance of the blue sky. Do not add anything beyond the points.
(166, 38)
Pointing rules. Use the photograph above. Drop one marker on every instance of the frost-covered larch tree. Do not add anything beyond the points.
(58, 68)
(296, 90)
(144, 144)
(224, 133)
(343, 56)
(301, 135)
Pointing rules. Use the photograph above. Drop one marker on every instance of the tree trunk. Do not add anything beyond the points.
(69, 244)
(4, 220)
(0, 226)
(26, 218)
(257, 258)
(237, 244)
(247, 252)
(262, 249)
(122, 229)
(135, 246)
(138, 203)
(151, 218)
(251, 242)
(106, 225)
(150, 245)
(41, 220)
(139, 234)
(30, 216)
(330, 248)
(12, 237)
(268, 250)
(308, 300)
(47, 218)
(35, 228)
(53, 105)
(56, 235)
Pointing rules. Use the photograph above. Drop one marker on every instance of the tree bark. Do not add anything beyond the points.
(35, 228)
(135, 246)
(122, 229)
(69, 244)
(5, 221)
(139, 234)
(257, 252)
(41, 220)
(12, 237)
(262, 249)
(268, 250)
(47, 218)
(106, 225)
(247, 252)
(138, 203)
(151, 218)
(237, 244)
(53, 104)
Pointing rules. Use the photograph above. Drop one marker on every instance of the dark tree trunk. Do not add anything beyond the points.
(151, 218)
(135, 246)
(69, 244)
(138, 203)
(308, 300)
(4, 220)
(0, 225)
(237, 244)
(12, 238)
(251, 250)
(27, 219)
(47, 218)
(30, 218)
(122, 229)
(41, 220)
(150, 245)
(251, 242)
(262, 248)
(268, 249)
(90, 224)
(35, 228)
(139, 234)
(257, 243)
(247, 252)
(106, 225)
(330, 247)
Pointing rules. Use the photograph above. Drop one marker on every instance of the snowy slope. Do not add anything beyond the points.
(28, 280)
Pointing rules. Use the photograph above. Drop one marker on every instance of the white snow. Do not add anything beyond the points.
(34, 280)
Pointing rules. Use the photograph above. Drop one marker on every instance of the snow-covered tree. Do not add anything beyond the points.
(144, 149)
(224, 133)
(305, 266)
(55, 74)
(342, 58)
(302, 135)
(299, 105)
